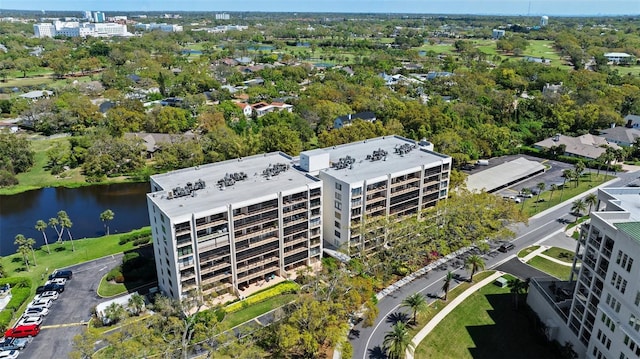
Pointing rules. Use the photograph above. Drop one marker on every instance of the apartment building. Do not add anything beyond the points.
(598, 309)
(225, 226)
(384, 177)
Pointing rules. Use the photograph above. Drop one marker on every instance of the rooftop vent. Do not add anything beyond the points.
(344, 162)
(404, 149)
(274, 170)
(188, 190)
(230, 179)
(378, 155)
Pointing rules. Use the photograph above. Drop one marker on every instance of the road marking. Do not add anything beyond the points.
(62, 325)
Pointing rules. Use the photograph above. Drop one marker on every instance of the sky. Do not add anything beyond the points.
(476, 7)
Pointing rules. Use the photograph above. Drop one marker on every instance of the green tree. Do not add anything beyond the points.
(417, 303)
(579, 169)
(136, 304)
(114, 313)
(525, 192)
(398, 341)
(84, 344)
(577, 207)
(53, 223)
(25, 245)
(517, 287)
(106, 217)
(475, 263)
(65, 223)
(591, 199)
(446, 283)
(41, 226)
(541, 187)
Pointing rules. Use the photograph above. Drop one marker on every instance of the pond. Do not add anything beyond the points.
(19, 213)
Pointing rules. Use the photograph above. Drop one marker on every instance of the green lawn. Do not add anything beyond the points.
(61, 256)
(570, 190)
(108, 289)
(245, 314)
(559, 271)
(484, 326)
(562, 254)
(523, 253)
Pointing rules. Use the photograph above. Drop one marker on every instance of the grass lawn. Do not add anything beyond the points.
(242, 315)
(485, 325)
(570, 190)
(108, 289)
(61, 256)
(523, 253)
(562, 254)
(29, 81)
(559, 271)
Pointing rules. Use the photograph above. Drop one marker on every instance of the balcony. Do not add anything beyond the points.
(205, 225)
(187, 274)
(289, 241)
(256, 233)
(265, 250)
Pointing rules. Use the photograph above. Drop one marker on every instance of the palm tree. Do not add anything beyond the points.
(591, 199)
(53, 223)
(417, 303)
(65, 222)
(106, 217)
(567, 175)
(397, 341)
(525, 192)
(25, 245)
(540, 186)
(446, 284)
(136, 303)
(552, 188)
(578, 207)
(42, 226)
(517, 287)
(474, 262)
(579, 169)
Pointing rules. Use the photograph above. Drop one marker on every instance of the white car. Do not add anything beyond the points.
(42, 302)
(9, 354)
(59, 281)
(30, 321)
(50, 294)
(36, 312)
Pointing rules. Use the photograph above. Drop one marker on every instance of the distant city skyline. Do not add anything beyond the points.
(475, 7)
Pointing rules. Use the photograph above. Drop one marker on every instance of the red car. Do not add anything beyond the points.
(22, 331)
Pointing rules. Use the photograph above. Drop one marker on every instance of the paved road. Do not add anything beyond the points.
(367, 342)
(69, 313)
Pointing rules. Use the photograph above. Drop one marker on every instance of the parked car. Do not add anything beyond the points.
(60, 281)
(42, 302)
(37, 311)
(30, 320)
(22, 331)
(14, 344)
(9, 354)
(53, 287)
(50, 294)
(66, 274)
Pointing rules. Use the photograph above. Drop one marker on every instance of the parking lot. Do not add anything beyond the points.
(553, 175)
(69, 314)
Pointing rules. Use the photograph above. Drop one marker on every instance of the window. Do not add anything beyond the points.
(338, 215)
(634, 322)
(338, 186)
(624, 261)
(338, 205)
(637, 301)
(629, 264)
(356, 191)
(337, 233)
(338, 196)
(337, 224)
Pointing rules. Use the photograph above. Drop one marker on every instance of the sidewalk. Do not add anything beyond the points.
(448, 308)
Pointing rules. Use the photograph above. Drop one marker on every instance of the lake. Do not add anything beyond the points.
(19, 212)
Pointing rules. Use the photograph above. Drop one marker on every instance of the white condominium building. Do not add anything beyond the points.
(227, 226)
(598, 309)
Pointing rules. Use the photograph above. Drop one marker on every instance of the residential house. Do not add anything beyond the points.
(618, 58)
(497, 34)
(36, 95)
(586, 146)
(552, 89)
(621, 135)
(153, 141)
(263, 108)
(632, 121)
(347, 120)
(247, 110)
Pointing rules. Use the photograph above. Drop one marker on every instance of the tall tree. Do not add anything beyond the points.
(53, 223)
(398, 341)
(446, 284)
(475, 263)
(577, 207)
(578, 170)
(136, 304)
(552, 188)
(106, 217)
(541, 187)
(517, 287)
(25, 245)
(65, 222)
(417, 303)
(525, 192)
(42, 227)
(591, 199)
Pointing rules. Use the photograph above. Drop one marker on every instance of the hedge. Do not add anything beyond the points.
(129, 237)
(282, 288)
(20, 292)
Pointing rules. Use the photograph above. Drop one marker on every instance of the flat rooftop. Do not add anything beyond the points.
(502, 175)
(628, 198)
(254, 186)
(363, 169)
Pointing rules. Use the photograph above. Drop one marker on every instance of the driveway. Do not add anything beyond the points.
(71, 311)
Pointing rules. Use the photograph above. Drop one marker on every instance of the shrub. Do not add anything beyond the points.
(119, 278)
(117, 271)
(282, 288)
(5, 319)
(141, 241)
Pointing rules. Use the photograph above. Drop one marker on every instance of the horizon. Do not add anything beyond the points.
(558, 8)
